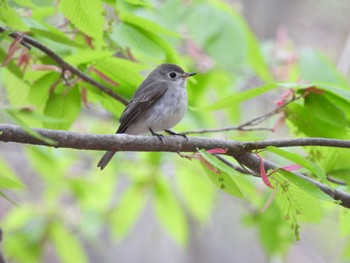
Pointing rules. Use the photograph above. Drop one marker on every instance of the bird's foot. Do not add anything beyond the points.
(176, 134)
(159, 136)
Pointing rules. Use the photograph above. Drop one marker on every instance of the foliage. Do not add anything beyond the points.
(115, 42)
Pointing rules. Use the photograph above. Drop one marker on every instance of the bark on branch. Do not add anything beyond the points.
(241, 151)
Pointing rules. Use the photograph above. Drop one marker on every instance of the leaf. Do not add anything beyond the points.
(65, 107)
(316, 67)
(55, 35)
(295, 203)
(238, 98)
(67, 246)
(124, 216)
(146, 24)
(86, 15)
(11, 19)
(83, 56)
(128, 36)
(225, 179)
(16, 88)
(124, 72)
(319, 117)
(254, 55)
(298, 159)
(25, 3)
(10, 183)
(305, 185)
(169, 212)
(197, 193)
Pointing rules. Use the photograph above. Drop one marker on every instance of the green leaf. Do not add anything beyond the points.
(344, 226)
(197, 193)
(238, 98)
(274, 233)
(305, 185)
(128, 36)
(146, 24)
(298, 159)
(86, 15)
(55, 35)
(66, 107)
(67, 246)
(11, 19)
(40, 91)
(132, 203)
(169, 212)
(25, 3)
(17, 90)
(296, 203)
(124, 72)
(83, 56)
(314, 66)
(254, 54)
(225, 179)
(319, 117)
(6, 182)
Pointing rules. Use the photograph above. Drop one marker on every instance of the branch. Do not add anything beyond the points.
(123, 142)
(26, 40)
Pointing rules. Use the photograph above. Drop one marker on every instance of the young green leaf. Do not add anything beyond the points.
(169, 212)
(224, 178)
(68, 247)
(298, 159)
(124, 216)
(198, 193)
(305, 185)
(146, 24)
(238, 98)
(11, 18)
(55, 35)
(87, 16)
(65, 107)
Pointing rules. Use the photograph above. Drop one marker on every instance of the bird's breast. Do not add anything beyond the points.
(169, 109)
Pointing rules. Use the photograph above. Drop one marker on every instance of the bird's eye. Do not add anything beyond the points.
(172, 75)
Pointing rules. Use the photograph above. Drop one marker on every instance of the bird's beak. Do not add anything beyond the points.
(187, 75)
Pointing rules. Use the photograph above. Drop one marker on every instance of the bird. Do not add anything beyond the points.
(159, 103)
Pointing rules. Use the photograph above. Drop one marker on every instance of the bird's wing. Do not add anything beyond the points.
(139, 104)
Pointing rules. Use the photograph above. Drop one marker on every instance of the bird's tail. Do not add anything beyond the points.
(105, 159)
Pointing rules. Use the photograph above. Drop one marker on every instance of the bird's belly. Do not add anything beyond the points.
(164, 114)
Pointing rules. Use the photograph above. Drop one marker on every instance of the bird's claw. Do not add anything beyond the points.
(159, 136)
(176, 134)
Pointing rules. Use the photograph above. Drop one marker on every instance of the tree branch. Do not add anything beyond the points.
(123, 142)
(26, 40)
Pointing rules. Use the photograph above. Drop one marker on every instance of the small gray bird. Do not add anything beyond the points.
(158, 104)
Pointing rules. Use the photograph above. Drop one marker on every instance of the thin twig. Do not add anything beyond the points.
(252, 122)
(64, 65)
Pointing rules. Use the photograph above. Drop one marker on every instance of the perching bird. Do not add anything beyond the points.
(158, 104)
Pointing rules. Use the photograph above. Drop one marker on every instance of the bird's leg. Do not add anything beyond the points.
(159, 136)
(176, 134)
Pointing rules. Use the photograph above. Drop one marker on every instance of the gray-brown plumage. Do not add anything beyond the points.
(158, 104)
